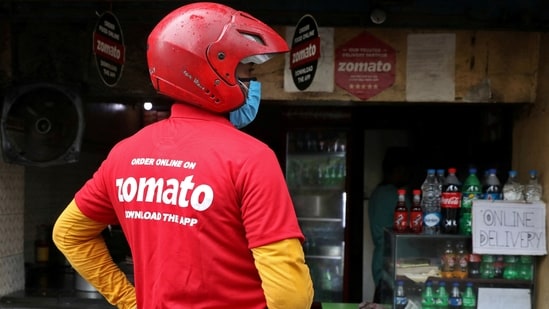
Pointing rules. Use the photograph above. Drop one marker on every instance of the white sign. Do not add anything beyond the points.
(430, 67)
(505, 227)
(501, 298)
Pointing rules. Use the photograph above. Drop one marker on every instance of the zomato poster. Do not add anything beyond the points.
(309, 65)
(365, 66)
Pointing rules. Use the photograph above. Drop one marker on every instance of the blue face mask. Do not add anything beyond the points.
(246, 113)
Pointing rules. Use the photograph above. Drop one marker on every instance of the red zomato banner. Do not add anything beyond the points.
(365, 66)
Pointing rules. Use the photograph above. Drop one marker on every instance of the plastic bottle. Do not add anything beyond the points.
(428, 296)
(469, 298)
(450, 203)
(510, 272)
(455, 301)
(400, 296)
(430, 203)
(400, 216)
(525, 267)
(448, 261)
(461, 269)
(441, 177)
(474, 265)
(416, 213)
(512, 189)
(442, 297)
(487, 270)
(470, 191)
(499, 265)
(532, 190)
(492, 188)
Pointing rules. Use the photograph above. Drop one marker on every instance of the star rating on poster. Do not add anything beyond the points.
(363, 86)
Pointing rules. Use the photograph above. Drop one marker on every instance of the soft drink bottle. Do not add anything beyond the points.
(533, 188)
(441, 177)
(470, 191)
(430, 203)
(400, 296)
(512, 189)
(448, 261)
(461, 269)
(455, 301)
(428, 296)
(400, 217)
(450, 203)
(492, 188)
(525, 271)
(416, 213)
(469, 298)
(441, 297)
(511, 269)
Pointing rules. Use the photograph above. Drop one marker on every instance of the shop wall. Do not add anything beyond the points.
(11, 228)
(507, 61)
(531, 149)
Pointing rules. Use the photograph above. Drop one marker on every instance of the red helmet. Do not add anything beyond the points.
(193, 53)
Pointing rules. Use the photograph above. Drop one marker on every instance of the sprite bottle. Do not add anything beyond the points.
(470, 191)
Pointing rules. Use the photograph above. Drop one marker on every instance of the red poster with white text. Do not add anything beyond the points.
(365, 66)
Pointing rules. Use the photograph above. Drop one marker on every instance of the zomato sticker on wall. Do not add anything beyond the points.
(365, 66)
(108, 48)
(309, 64)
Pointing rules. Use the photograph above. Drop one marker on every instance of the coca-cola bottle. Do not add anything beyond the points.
(450, 203)
(416, 213)
(400, 217)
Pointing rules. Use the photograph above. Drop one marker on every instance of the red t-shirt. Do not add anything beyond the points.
(193, 196)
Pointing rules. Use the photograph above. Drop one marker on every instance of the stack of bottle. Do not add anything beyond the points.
(446, 203)
(441, 298)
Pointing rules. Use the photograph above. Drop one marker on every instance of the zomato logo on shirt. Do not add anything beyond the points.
(173, 192)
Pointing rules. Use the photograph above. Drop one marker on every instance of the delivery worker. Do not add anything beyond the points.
(204, 206)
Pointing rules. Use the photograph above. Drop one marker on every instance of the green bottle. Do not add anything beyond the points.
(441, 298)
(469, 298)
(470, 191)
(428, 296)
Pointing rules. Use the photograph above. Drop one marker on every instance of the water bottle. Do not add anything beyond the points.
(470, 191)
(428, 296)
(512, 189)
(469, 298)
(430, 203)
(442, 297)
(400, 296)
(492, 188)
(450, 203)
(455, 301)
(532, 190)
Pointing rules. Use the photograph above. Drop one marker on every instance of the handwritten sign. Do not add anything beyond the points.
(503, 298)
(504, 227)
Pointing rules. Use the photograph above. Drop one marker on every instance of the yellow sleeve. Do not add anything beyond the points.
(285, 277)
(79, 239)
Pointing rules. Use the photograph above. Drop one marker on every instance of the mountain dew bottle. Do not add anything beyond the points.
(470, 191)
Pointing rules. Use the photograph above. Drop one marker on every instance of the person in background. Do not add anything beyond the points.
(204, 206)
(396, 170)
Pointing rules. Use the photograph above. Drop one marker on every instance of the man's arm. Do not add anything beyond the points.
(79, 239)
(285, 277)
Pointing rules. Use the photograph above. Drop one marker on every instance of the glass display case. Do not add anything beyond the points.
(316, 177)
(416, 259)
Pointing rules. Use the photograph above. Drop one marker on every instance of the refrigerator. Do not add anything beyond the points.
(316, 169)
